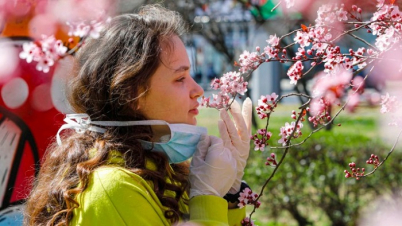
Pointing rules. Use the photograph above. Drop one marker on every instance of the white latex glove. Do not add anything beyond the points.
(212, 169)
(237, 135)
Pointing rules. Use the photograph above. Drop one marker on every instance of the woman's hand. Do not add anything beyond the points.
(213, 168)
(236, 136)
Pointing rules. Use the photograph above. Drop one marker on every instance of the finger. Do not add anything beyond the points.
(231, 128)
(227, 142)
(202, 149)
(239, 120)
(247, 112)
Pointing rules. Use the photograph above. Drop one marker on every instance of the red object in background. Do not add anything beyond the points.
(27, 128)
(33, 131)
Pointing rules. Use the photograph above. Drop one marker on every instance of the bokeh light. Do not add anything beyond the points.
(8, 59)
(15, 93)
(41, 99)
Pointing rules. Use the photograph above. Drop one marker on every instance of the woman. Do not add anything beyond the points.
(121, 167)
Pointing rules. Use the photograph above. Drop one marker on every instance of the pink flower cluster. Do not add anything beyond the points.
(261, 139)
(249, 61)
(289, 3)
(355, 172)
(229, 85)
(85, 29)
(389, 103)
(373, 160)
(294, 116)
(248, 197)
(387, 26)
(320, 111)
(247, 222)
(295, 72)
(271, 160)
(266, 105)
(287, 130)
(45, 52)
(331, 13)
(332, 85)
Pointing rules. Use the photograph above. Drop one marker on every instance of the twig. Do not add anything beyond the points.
(386, 157)
(283, 156)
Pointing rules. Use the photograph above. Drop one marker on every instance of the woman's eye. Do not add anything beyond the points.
(181, 79)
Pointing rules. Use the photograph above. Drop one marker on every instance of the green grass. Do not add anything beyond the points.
(362, 122)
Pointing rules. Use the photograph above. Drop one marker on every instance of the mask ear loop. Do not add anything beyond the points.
(82, 123)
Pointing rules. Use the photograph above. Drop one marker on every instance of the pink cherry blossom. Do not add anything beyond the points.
(302, 38)
(273, 40)
(295, 72)
(84, 29)
(271, 161)
(247, 197)
(389, 103)
(249, 61)
(287, 130)
(230, 84)
(45, 52)
(272, 53)
(353, 101)
(289, 3)
(261, 139)
(247, 221)
(319, 109)
(30, 51)
(334, 81)
(266, 105)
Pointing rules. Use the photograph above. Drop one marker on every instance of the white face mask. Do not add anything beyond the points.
(178, 146)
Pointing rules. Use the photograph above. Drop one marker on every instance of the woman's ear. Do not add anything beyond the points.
(141, 99)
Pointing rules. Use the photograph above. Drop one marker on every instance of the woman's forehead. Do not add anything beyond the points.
(174, 54)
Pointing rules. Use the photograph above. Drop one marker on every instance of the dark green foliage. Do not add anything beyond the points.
(311, 185)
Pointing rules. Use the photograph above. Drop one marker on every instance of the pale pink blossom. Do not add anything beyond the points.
(300, 53)
(44, 64)
(261, 139)
(248, 61)
(273, 40)
(45, 52)
(302, 38)
(287, 130)
(289, 3)
(266, 104)
(270, 52)
(30, 51)
(389, 103)
(326, 15)
(333, 82)
(342, 15)
(319, 109)
(353, 101)
(230, 84)
(380, 3)
(319, 48)
(86, 29)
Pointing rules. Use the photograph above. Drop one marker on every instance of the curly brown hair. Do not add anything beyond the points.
(111, 73)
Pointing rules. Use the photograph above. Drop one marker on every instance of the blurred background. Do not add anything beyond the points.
(310, 187)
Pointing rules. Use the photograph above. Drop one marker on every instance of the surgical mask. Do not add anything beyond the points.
(178, 143)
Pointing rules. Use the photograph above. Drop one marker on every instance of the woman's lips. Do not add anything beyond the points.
(194, 111)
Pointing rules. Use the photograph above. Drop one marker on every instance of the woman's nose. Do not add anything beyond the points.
(197, 90)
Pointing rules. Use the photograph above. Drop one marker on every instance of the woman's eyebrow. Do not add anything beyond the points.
(182, 68)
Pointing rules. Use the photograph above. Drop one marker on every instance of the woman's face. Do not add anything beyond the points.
(173, 93)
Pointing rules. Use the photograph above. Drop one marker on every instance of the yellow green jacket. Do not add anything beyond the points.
(116, 196)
